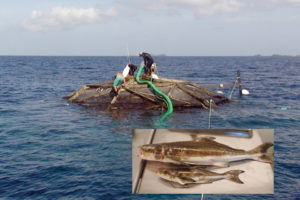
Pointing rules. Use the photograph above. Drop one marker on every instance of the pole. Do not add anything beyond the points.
(128, 56)
(239, 81)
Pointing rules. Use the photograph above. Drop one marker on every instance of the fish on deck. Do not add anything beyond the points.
(204, 151)
(192, 175)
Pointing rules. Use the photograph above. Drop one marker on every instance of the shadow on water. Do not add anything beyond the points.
(139, 118)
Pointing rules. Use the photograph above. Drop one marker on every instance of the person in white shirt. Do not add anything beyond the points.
(153, 75)
(129, 70)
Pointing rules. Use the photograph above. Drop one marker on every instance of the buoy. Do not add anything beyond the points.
(245, 92)
(284, 107)
(220, 92)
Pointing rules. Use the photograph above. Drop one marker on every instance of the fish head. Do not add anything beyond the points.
(151, 152)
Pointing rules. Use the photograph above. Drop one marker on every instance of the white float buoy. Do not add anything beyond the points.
(220, 92)
(245, 92)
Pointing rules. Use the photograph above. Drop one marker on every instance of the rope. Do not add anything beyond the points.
(232, 89)
(210, 111)
(209, 126)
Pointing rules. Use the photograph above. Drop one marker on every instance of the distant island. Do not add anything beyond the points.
(277, 55)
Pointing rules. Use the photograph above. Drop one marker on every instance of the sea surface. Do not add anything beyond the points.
(50, 149)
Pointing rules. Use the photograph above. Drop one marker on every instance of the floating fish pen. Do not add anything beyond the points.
(132, 95)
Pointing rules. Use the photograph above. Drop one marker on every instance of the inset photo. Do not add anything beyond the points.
(200, 161)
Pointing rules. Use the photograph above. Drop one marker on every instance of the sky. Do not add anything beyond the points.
(170, 27)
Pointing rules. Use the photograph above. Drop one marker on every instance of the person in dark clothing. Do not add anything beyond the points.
(148, 61)
(132, 69)
(129, 70)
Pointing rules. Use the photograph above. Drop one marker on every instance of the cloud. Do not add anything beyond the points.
(63, 18)
(203, 8)
(211, 7)
(200, 8)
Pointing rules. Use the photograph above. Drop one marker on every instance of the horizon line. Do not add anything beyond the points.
(156, 55)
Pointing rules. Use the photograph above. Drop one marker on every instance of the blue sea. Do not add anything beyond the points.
(50, 149)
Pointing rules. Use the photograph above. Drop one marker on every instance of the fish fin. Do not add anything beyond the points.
(261, 148)
(233, 175)
(221, 164)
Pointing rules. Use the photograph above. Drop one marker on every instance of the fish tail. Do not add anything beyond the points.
(233, 175)
(261, 150)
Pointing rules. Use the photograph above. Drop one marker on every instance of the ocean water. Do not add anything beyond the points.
(50, 149)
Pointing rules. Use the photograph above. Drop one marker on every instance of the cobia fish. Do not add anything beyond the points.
(185, 176)
(204, 151)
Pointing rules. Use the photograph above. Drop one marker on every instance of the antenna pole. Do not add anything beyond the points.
(128, 56)
(239, 81)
